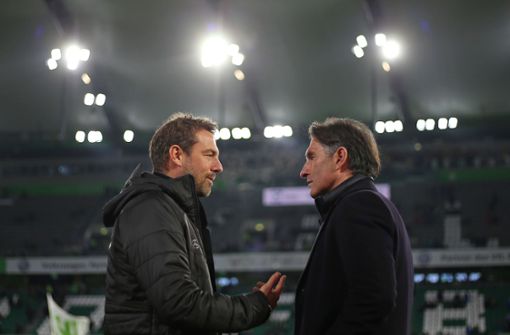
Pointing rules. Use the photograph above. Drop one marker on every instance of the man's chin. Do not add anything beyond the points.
(204, 192)
(314, 194)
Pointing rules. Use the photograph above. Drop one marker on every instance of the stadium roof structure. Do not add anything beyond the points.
(298, 67)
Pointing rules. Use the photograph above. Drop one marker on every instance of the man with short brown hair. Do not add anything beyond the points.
(359, 276)
(160, 274)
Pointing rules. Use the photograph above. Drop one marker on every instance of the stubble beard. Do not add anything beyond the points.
(202, 187)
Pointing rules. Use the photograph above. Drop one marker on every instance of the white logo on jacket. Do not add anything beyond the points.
(195, 244)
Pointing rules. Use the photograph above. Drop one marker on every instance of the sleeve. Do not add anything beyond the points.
(365, 248)
(156, 248)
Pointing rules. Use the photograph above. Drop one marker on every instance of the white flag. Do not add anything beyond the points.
(63, 323)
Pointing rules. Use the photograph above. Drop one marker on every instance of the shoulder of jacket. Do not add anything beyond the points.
(363, 202)
(148, 206)
(151, 198)
(148, 213)
(365, 194)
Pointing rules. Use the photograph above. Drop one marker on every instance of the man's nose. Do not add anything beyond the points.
(218, 167)
(304, 172)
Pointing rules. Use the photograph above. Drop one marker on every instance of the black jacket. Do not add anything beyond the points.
(359, 276)
(160, 273)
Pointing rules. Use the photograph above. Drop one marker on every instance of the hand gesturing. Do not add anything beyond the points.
(272, 288)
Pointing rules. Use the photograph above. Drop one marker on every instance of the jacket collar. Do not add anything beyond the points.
(325, 202)
(181, 190)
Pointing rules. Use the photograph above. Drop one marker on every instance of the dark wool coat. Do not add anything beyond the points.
(359, 276)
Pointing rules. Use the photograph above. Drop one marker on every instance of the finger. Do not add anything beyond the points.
(279, 287)
(272, 280)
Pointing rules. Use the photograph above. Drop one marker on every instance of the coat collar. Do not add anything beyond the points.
(181, 190)
(325, 202)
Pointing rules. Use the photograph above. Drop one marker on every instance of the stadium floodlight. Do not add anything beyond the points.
(239, 74)
(129, 136)
(358, 51)
(72, 57)
(362, 41)
(391, 50)
(399, 126)
(80, 136)
(94, 136)
(386, 66)
(380, 39)
(238, 59)
(287, 131)
(52, 64)
(224, 133)
(442, 123)
(277, 131)
(88, 99)
(91, 136)
(100, 99)
(420, 125)
(237, 133)
(453, 122)
(216, 134)
(233, 49)
(84, 55)
(268, 132)
(389, 126)
(245, 133)
(379, 127)
(86, 79)
(430, 124)
(214, 51)
(56, 54)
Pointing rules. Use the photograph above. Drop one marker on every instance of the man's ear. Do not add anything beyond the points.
(342, 158)
(175, 155)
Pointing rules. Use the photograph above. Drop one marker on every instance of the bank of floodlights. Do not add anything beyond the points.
(441, 124)
(72, 56)
(216, 50)
(389, 49)
(277, 131)
(236, 133)
(389, 126)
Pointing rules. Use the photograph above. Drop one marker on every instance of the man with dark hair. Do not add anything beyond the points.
(160, 273)
(359, 275)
